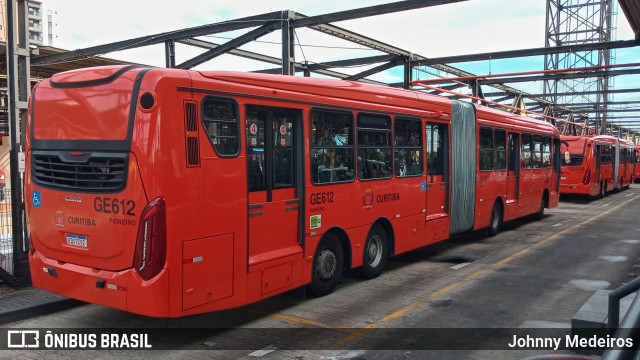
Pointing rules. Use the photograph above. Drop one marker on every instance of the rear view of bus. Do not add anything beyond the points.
(97, 230)
(579, 171)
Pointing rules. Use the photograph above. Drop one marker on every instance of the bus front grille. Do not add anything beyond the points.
(80, 171)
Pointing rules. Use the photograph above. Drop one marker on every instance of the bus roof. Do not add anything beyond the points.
(353, 90)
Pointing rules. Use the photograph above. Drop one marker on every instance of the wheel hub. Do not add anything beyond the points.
(326, 264)
(374, 251)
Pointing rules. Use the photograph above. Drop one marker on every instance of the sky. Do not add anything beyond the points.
(468, 27)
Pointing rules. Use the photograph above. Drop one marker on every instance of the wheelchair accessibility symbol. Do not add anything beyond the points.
(36, 199)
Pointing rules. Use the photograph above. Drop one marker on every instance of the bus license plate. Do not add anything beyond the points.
(77, 240)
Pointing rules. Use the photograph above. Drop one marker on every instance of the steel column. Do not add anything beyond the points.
(18, 90)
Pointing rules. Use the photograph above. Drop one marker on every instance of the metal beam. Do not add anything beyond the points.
(269, 59)
(231, 44)
(288, 43)
(526, 52)
(243, 23)
(618, 91)
(578, 75)
(369, 11)
(377, 69)
(592, 103)
(19, 88)
(591, 111)
(339, 63)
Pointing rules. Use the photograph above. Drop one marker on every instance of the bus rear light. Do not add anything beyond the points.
(151, 243)
(587, 177)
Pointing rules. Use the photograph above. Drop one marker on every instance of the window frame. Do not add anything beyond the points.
(481, 149)
(315, 147)
(496, 150)
(389, 132)
(529, 164)
(395, 147)
(237, 121)
(443, 161)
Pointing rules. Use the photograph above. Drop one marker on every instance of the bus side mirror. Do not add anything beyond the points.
(567, 157)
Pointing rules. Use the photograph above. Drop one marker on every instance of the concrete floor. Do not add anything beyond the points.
(534, 274)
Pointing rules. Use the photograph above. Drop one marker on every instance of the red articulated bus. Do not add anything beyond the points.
(168, 192)
(594, 165)
(636, 172)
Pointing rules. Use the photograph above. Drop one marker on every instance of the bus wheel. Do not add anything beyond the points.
(601, 193)
(374, 257)
(327, 266)
(540, 214)
(496, 220)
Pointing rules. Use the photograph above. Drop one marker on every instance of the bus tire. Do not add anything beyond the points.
(543, 204)
(327, 266)
(496, 220)
(374, 256)
(601, 193)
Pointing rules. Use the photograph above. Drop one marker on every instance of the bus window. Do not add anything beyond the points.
(486, 149)
(436, 149)
(546, 152)
(220, 120)
(374, 146)
(283, 123)
(256, 177)
(274, 151)
(605, 155)
(408, 147)
(513, 151)
(501, 149)
(331, 147)
(526, 162)
(537, 152)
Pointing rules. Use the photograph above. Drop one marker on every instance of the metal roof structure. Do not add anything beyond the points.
(50, 60)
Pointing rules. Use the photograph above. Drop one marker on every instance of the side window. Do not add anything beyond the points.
(374, 146)
(220, 121)
(604, 155)
(526, 160)
(513, 151)
(486, 149)
(501, 149)
(408, 147)
(546, 152)
(537, 151)
(436, 149)
(256, 148)
(332, 147)
(283, 123)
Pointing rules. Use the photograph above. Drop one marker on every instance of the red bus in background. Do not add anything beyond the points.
(594, 165)
(636, 173)
(168, 192)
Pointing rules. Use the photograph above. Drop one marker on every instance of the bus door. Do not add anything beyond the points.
(274, 179)
(599, 176)
(513, 176)
(437, 217)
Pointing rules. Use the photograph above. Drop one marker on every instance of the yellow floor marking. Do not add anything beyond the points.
(296, 319)
(483, 271)
(446, 289)
(476, 274)
(394, 315)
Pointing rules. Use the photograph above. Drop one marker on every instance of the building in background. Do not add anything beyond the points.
(36, 23)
